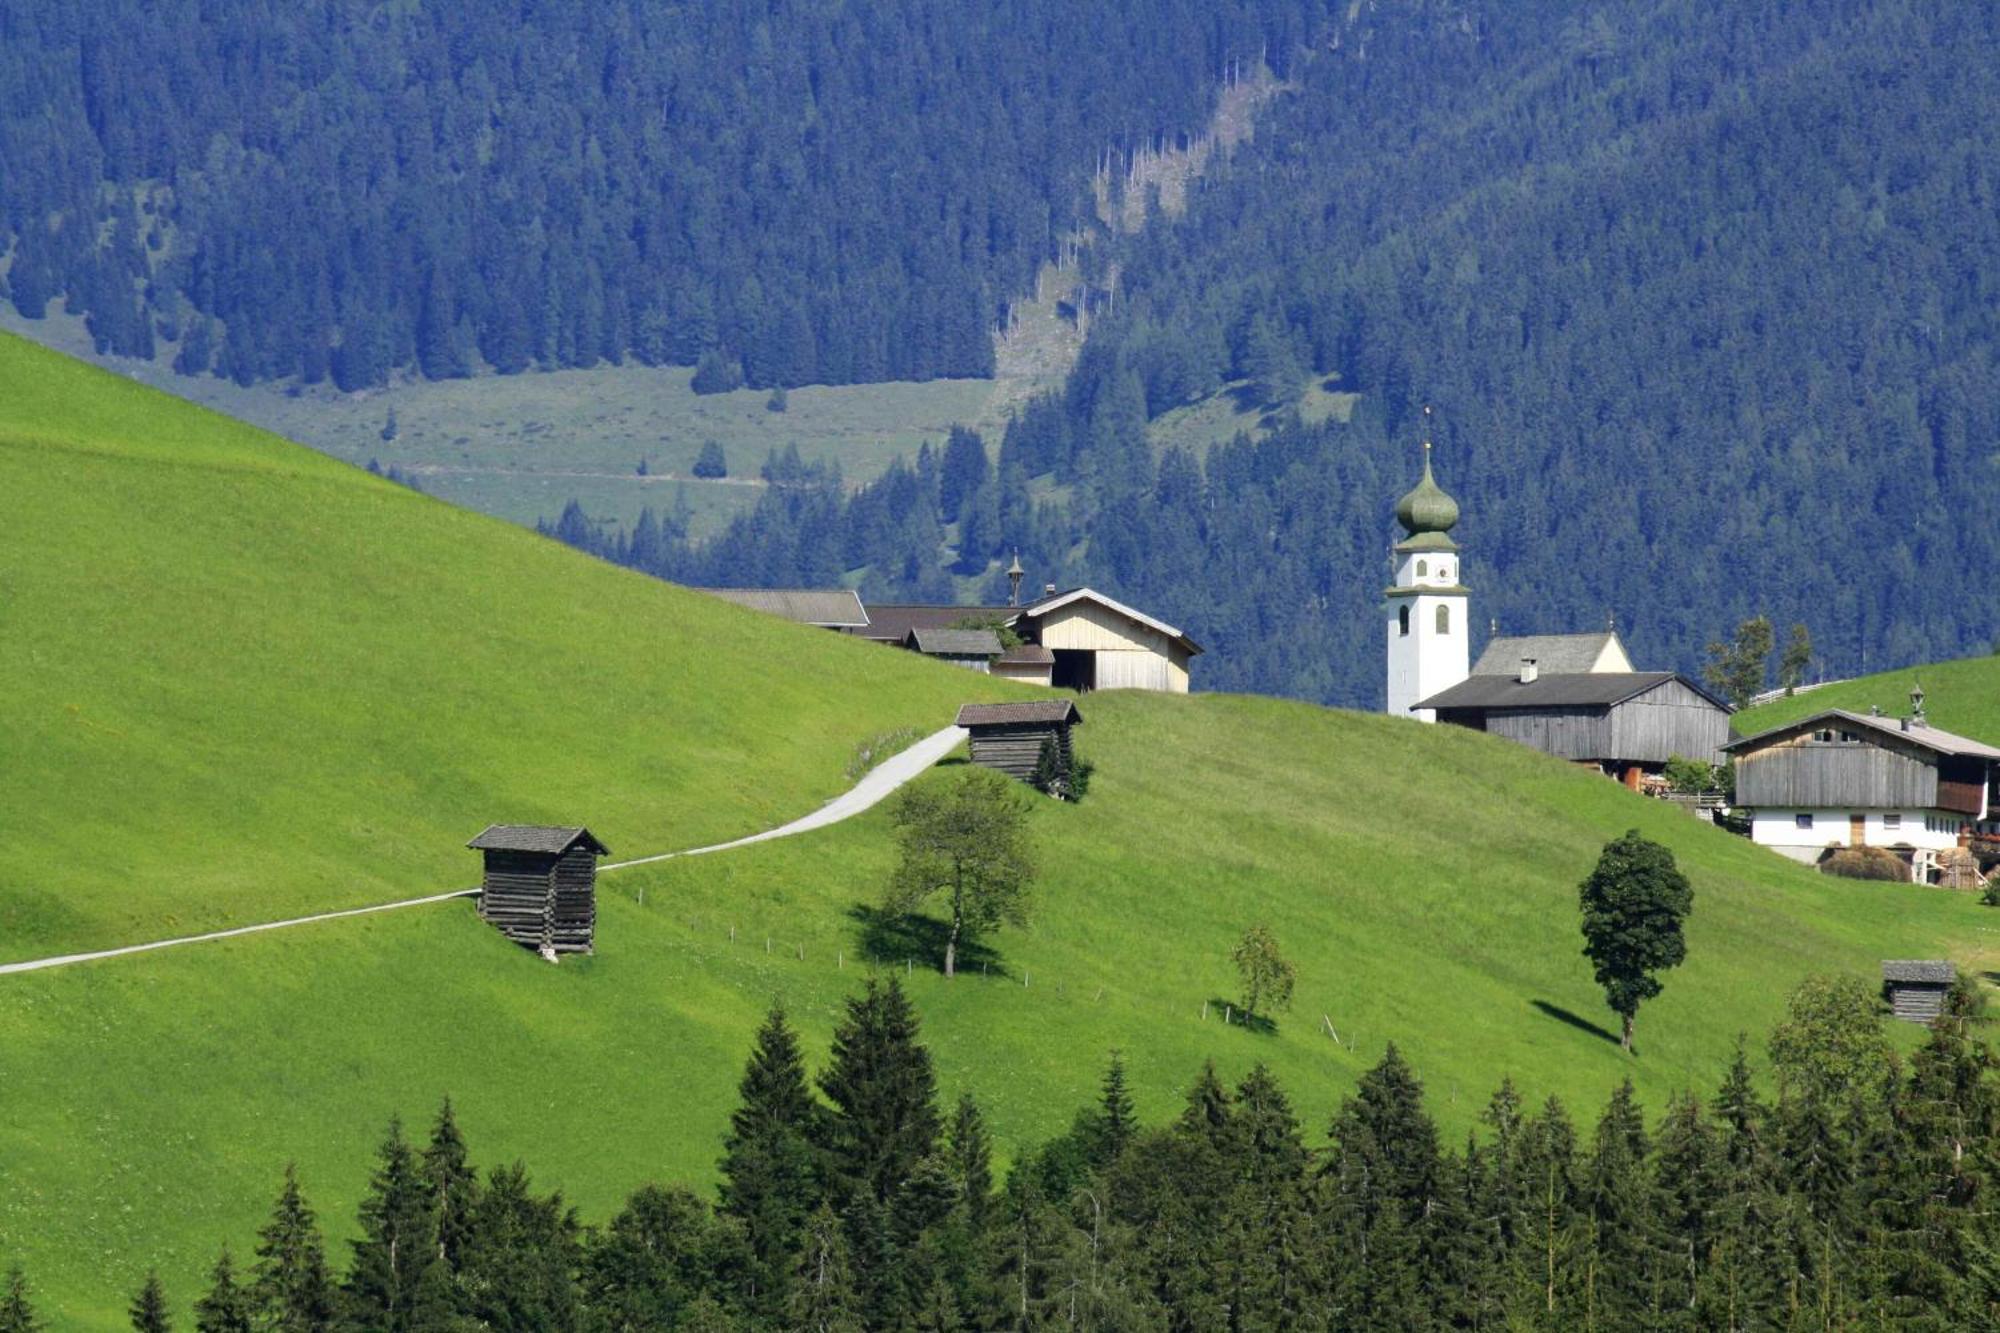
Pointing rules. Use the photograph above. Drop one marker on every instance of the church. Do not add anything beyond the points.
(1575, 696)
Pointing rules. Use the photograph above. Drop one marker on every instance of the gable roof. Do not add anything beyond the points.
(1929, 738)
(955, 642)
(1576, 689)
(1041, 712)
(1932, 971)
(893, 621)
(551, 839)
(1555, 654)
(828, 608)
(1057, 601)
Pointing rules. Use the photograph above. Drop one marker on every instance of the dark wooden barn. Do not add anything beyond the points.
(1626, 723)
(1917, 987)
(540, 885)
(1008, 737)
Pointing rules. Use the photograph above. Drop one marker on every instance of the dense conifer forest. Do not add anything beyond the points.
(1704, 298)
(797, 193)
(1860, 1197)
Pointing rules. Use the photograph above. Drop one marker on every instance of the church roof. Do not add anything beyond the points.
(1426, 511)
(1553, 654)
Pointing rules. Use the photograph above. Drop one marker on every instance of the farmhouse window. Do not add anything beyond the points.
(1803, 821)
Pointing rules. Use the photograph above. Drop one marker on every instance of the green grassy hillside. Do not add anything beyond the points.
(1422, 879)
(245, 681)
(1961, 696)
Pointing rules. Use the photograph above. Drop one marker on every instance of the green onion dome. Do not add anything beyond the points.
(1427, 508)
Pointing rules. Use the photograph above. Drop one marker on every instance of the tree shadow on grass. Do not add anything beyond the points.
(1261, 1024)
(887, 938)
(1562, 1015)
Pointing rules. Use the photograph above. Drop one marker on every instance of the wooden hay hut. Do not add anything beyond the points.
(540, 885)
(1008, 737)
(1917, 987)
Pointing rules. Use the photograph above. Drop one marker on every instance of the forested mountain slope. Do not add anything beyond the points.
(1704, 298)
(807, 193)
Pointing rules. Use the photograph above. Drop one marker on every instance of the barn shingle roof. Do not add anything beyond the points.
(551, 839)
(1041, 712)
(1577, 689)
(1032, 654)
(829, 608)
(1922, 971)
(1930, 738)
(1556, 654)
(955, 642)
(893, 621)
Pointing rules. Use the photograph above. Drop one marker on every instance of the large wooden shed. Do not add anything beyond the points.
(540, 885)
(1917, 987)
(1008, 737)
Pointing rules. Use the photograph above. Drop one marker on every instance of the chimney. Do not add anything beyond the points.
(1048, 590)
(1529, 671)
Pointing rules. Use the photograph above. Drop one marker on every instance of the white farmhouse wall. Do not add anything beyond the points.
(1929, 830)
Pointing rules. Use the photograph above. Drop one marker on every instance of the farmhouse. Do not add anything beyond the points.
(540, 885)
(1627, 724)
(1088, 641)
(1917, 988)
(1838, 779)
(1009, 737)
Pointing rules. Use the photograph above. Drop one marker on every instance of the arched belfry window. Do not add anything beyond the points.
(1421, 570)
(1403, 616)
(1444, 620)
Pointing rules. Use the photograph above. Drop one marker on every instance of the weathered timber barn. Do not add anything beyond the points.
(1008, 738)
(1917, 987)
(1625, 723)
(540, 885)
(1839, 779)
(972, 649)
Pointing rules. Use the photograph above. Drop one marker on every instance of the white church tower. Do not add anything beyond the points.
(1426, 607)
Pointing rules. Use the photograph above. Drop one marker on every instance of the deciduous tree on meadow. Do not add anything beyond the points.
(966, 838)
(1266, 974)
(1633, 905)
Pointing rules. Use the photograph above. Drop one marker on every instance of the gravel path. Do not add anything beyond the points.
(875, 786)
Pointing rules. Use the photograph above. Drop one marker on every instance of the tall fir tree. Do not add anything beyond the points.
(884, 1096)
(453, 1186)
(149, 1308)
(770, 1179)
(227, 1306)
(293, 1292)
(397, 1282)
(17, 1312)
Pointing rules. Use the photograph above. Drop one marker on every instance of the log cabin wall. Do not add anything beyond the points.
(1015, 748)
(573, 920)
(1916, 1002)
(518, 894)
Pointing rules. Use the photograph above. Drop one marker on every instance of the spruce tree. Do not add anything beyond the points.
(1115, 1122)
(884, 1096)
(1618, 1197)
(397, 1282)
(823, 1298)
(453, 1187)
(970, 1148)
(770, 1180)
(149, 1308)
(227, 1307)
(293, 1292)
(17, 1312)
